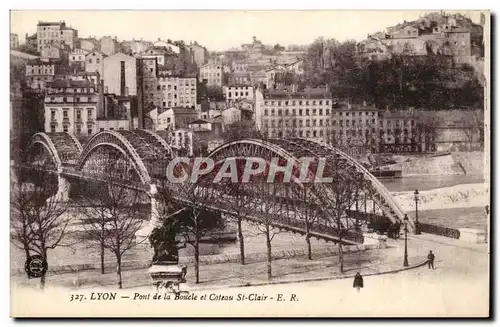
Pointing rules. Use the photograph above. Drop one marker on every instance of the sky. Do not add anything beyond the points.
(220, 30)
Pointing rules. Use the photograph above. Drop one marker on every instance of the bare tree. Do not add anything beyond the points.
(112, 219)
(308, 212)
(38, 220)
(270, 210)
(239, 203)
(198, 195)
(343, 189)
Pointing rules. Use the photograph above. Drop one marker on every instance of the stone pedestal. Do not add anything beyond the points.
(375, 240)
(471, 235)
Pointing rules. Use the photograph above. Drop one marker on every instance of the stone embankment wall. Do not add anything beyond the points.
(457, 163)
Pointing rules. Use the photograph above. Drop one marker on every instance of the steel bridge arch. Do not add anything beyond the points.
(45, 141)
(115, 140)
(219, 151)
(394, 211)
(312, 148)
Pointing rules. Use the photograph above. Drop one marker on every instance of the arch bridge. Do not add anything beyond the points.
(138, 160)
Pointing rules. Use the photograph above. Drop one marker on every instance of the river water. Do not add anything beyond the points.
(473, 217)
(423, 183)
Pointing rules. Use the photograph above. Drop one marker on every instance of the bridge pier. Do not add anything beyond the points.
(156, 210)
(63, 186)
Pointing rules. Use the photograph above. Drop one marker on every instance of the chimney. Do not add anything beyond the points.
(122, 78)
(101, 107)
(140, 94)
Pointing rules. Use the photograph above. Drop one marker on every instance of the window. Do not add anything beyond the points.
(321, 112)
(314, 103)
(314, 133)
(314, 112)
(53, 115)
(52, 128)
(78, 129)
(78, 114)
(65, 113)
(97, 60)
(265, 112)
(89, 113)
(65, 128)
(90, 60)
(320, 102)
(300, 112)
(101, 129)
(307, 112)
(111, 129)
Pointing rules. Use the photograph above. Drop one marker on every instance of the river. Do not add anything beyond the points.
(423, 183)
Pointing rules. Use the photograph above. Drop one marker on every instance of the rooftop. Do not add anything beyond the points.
(39, 61)
(308, 93)
(42, 23)
(63, 83)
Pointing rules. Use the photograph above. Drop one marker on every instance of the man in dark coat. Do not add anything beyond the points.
(430, 260)
(358, 281)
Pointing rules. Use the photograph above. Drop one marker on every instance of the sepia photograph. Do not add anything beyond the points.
(231, 163)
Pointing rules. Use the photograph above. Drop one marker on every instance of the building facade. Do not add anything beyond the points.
(39, 73)
(237, 92)
(198, 54)
(109, 45)
(57, 34)
(94, 62)
(150, 80)
(177, 91)
(120, 74)
(305, 114)
(211, 74)
(76, 58)
(71, 106)
(49, 51)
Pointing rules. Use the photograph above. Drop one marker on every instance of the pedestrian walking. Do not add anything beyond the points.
(430, 260)
(358, 281)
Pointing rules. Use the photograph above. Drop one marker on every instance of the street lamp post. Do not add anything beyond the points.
(405, 261)
(417, 226)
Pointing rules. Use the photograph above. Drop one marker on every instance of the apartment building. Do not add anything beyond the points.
(39, 73)
(211, 74)
(57, 34)
(237, 92)
(177, 91)
(120, 74)
(94, 62)
(305, 114)
(71, 106)
(76, 58)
